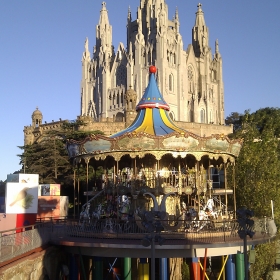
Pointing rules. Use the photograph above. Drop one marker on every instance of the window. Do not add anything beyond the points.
(114, 100)
(171, 82)
(218, 177)
(202, 116)
(191, 117)
(119, 117)
(82, 98)
(211, 117)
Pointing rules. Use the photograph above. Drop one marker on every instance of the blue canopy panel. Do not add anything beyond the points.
(151, 121)
(152, 97)
(138, 120)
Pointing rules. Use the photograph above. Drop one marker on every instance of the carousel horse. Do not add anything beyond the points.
(84, 215)
(196, 221)
(124, 206)
(210, 207)
(97, 214)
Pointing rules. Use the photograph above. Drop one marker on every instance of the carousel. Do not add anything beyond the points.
(155, 169)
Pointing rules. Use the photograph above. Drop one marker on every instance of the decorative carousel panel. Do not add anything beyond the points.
(187, 190)
(175, 142)
(235, 148)
(143, 143)
(97, 145)
(217, 144)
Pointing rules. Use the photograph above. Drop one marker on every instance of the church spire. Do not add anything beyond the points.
(86, 53)
(176, 20)
(217, 52)
(104, 30)
(200, 33)
(199, 20)
(176, 14)
(129, 14)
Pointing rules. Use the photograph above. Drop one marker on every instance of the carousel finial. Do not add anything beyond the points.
(152, 69)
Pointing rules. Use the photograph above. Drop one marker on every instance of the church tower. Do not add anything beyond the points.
(206, 93)
(190, 80)
(96, 76)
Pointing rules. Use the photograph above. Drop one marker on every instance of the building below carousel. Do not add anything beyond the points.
(37, 129)
(164, 195)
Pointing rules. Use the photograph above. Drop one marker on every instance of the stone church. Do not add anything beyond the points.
(190, 80)
(114, 80)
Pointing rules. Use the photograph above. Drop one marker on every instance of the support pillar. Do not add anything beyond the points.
(82, 271)
(143, 269)
(230, 268)
(195, 269)
(240, 268)
(163, 269)
(127, 268)
(73, 269)
(86, 266)
(97, 268)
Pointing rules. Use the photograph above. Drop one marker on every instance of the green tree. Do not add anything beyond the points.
(234, 119)
(48, 157)
(71, 130)
(257, 176)
(2, 188)
(258, 165)
(265, 259)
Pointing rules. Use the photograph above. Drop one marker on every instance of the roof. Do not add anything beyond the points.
(153, 132)
(152, 117)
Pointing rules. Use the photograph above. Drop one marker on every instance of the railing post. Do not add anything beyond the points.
(224, 229)
(14, 244)
(32, 236)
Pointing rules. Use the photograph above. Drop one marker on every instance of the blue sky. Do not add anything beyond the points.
(41, 45)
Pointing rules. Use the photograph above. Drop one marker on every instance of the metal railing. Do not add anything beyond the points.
(18, 241)
(188, 232)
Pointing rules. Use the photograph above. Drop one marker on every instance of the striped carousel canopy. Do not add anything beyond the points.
(153, 132)
(152, 117)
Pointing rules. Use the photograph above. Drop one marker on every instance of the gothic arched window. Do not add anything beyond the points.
(114, 100)
(171, 82)
(37, 123)
(119, 117)
(82, 98)
(211, 117)
(191, 117)
(202, 116)
(122, 98)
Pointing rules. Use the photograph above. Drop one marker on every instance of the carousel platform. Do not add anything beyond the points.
(109, 238)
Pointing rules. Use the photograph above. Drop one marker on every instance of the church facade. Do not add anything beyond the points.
(190, 80)
(113, 81)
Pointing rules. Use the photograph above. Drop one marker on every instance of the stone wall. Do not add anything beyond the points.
(109, 126)
(44, 265)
